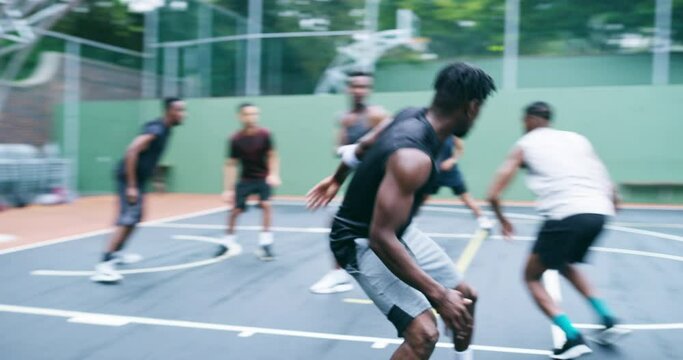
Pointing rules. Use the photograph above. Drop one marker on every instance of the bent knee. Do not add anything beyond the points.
(422, 333)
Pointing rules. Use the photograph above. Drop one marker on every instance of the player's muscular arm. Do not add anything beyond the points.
(229, 179)
(503, 176)
(406, 171)
(139, 144)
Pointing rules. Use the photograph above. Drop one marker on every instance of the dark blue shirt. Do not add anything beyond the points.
(149, 158)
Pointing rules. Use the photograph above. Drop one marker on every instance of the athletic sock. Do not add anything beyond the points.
(603, 311)
(563, 322)
(108, 256)
(265, 238)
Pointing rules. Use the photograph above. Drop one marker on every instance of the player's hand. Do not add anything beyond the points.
(452, 307)
(507, 229)
(447, 165)
(273, 180)
(322, 193)
(229, 197)
(132, 194)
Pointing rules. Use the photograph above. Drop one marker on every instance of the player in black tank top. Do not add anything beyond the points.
(397, 165)
(410, 129)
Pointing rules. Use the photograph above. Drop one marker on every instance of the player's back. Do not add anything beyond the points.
(565, 173)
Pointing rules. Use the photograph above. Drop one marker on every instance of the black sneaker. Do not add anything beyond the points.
(265, 253)
(572, 349)
(611, 334)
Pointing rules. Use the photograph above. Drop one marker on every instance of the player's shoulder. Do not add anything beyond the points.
(235, 136)
(410, 165)
(154, 127)
(264, 131)
(408, 113)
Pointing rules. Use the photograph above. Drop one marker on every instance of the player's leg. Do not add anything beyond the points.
(435, 262)
(266, 239)
(406, 308)
(550, 252)
(457, 184)
(334, 281)
(229, 242)
(419, 338)
(587, 228)
(130, 214)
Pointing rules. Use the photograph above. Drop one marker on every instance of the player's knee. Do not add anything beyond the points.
(265, 205)
(422, 336)
(235, 212)
(534, 269)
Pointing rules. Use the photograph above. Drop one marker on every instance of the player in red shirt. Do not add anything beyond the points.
(253, 149)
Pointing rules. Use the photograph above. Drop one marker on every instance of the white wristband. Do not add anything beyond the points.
(348, 155)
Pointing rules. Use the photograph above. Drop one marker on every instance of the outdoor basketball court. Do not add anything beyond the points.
(182, 303)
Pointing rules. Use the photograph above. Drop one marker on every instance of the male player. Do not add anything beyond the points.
(450, 177)
(576, 196)
(132, 173)
(253, 148)
(353, 125)
(404, 272)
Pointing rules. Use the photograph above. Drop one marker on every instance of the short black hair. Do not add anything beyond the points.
(169, 101)
(459, 83)
(243, 105)
(358, 73)
(541, 109)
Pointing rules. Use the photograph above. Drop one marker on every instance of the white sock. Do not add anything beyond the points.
(265, 238)
(464, 355)
(229, 239)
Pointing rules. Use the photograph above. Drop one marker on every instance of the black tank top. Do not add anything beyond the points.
(410, 129)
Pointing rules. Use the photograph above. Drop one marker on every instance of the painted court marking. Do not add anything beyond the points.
(242, 331)
(106, 231)
(185, 266)
(470, 251)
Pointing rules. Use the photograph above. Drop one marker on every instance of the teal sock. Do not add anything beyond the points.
(601, 308)
(563, 322)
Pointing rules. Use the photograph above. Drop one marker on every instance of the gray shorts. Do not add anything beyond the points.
(129, 214)
(398, 301)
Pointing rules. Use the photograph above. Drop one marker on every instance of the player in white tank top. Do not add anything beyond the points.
(574, 194)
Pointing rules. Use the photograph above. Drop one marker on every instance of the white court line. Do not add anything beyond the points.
(530, 205)
(185, 266)
(105, 231)
(539, 218)
(99, 320)
(551, 282)
(247, 329)
(315, 230)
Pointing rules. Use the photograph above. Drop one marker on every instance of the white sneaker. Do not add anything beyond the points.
(485, 223)
(335, 281)
(105, 272)
(127, 258)
(229, 245)
(609, 336)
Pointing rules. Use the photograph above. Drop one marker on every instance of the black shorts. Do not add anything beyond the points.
(245, 188)
(452, 180)
(566, 241)
(129, 214)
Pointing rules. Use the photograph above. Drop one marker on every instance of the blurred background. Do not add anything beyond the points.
(78, 78)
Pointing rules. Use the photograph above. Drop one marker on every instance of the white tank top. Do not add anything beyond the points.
(565, 173)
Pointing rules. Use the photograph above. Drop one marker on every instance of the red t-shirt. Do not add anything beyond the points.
(252, 152)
